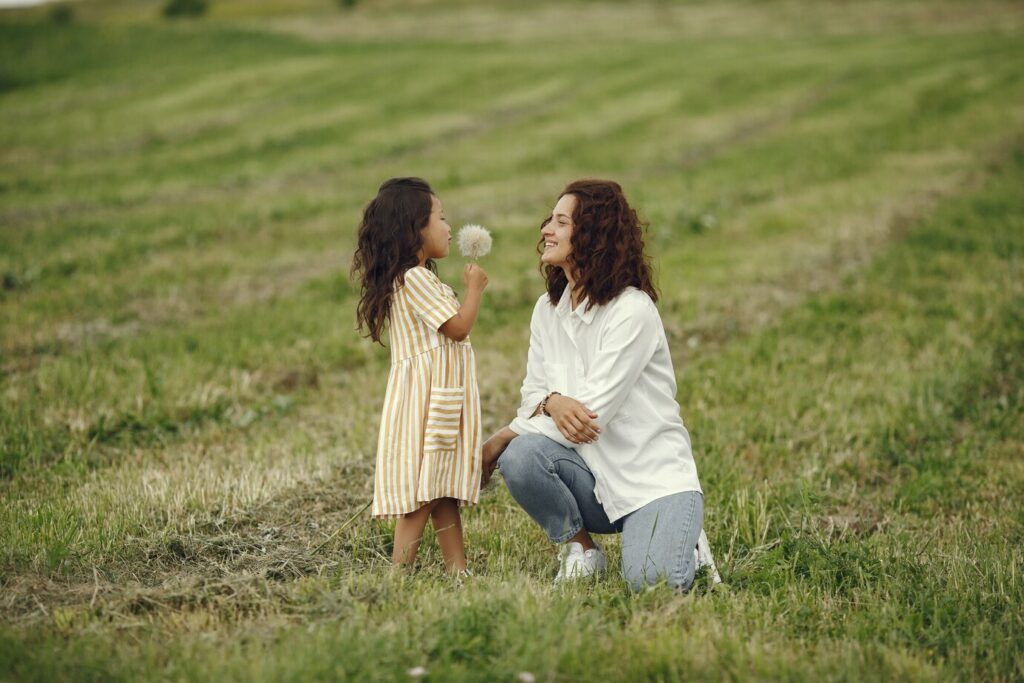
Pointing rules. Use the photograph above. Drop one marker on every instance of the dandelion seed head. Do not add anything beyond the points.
(474, 241)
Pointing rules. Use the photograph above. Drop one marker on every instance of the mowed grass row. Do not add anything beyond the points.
(800, 168)
(861, 459)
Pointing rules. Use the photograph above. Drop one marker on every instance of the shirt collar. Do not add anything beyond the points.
(583, 311)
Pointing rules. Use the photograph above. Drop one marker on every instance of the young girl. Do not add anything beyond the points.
(428, 452)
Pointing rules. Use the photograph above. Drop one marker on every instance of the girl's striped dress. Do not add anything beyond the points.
(429, 444)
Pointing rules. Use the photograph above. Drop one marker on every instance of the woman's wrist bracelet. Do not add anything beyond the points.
(544, 403)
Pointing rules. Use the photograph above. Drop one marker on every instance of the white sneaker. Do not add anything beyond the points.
(702, 558)
(577, 563)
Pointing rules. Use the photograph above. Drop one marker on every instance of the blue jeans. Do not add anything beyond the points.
(556, 488)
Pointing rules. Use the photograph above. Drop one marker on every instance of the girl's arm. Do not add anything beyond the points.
(492, 450)
(458, 327)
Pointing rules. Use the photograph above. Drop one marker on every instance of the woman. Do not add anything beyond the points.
(598, 445)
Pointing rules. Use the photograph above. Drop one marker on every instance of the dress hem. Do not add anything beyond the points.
(463, 503)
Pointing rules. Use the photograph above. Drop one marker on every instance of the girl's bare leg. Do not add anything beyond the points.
(408, 534)
(448, 525)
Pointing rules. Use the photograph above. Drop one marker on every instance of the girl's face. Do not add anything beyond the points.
(557, 233)
(437, 235)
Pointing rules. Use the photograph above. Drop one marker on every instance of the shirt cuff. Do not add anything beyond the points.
(542, 425)
(529, 405)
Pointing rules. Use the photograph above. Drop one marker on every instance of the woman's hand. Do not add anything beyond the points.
(576, 422)
(492, 450)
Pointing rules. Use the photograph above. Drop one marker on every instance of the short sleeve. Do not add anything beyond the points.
(428, 299)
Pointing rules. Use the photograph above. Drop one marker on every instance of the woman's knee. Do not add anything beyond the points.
(684, 578)
(636, 577)
(680, 578)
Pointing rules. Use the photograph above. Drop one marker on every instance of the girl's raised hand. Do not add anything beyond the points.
(474, 277)
(576, 422)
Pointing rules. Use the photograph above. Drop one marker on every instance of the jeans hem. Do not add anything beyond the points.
(569, 534)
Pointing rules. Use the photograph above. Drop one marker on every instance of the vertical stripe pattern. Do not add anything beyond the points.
(430, 435)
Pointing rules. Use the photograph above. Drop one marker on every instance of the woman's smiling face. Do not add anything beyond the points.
(557, 233)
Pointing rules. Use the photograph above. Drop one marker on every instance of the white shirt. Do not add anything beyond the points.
(615, 360)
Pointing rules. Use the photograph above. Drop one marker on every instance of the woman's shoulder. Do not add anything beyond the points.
(631, 297)
(635, 304)
(543, 308)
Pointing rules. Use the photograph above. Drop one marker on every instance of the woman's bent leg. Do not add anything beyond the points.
(658, 541)
(554, 486)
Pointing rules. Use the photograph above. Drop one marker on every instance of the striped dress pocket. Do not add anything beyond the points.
(444, 417)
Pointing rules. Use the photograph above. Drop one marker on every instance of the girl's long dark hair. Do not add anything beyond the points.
(607, 246)
(387, 245)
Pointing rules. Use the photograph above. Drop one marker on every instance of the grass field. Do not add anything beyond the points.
(188, 418)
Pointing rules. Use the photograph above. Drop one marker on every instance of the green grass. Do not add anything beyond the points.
(187, 414)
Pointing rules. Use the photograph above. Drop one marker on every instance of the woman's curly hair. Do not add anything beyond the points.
(607, 246)
(388, 244)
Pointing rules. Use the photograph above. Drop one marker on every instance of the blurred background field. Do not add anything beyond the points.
(188, 418)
